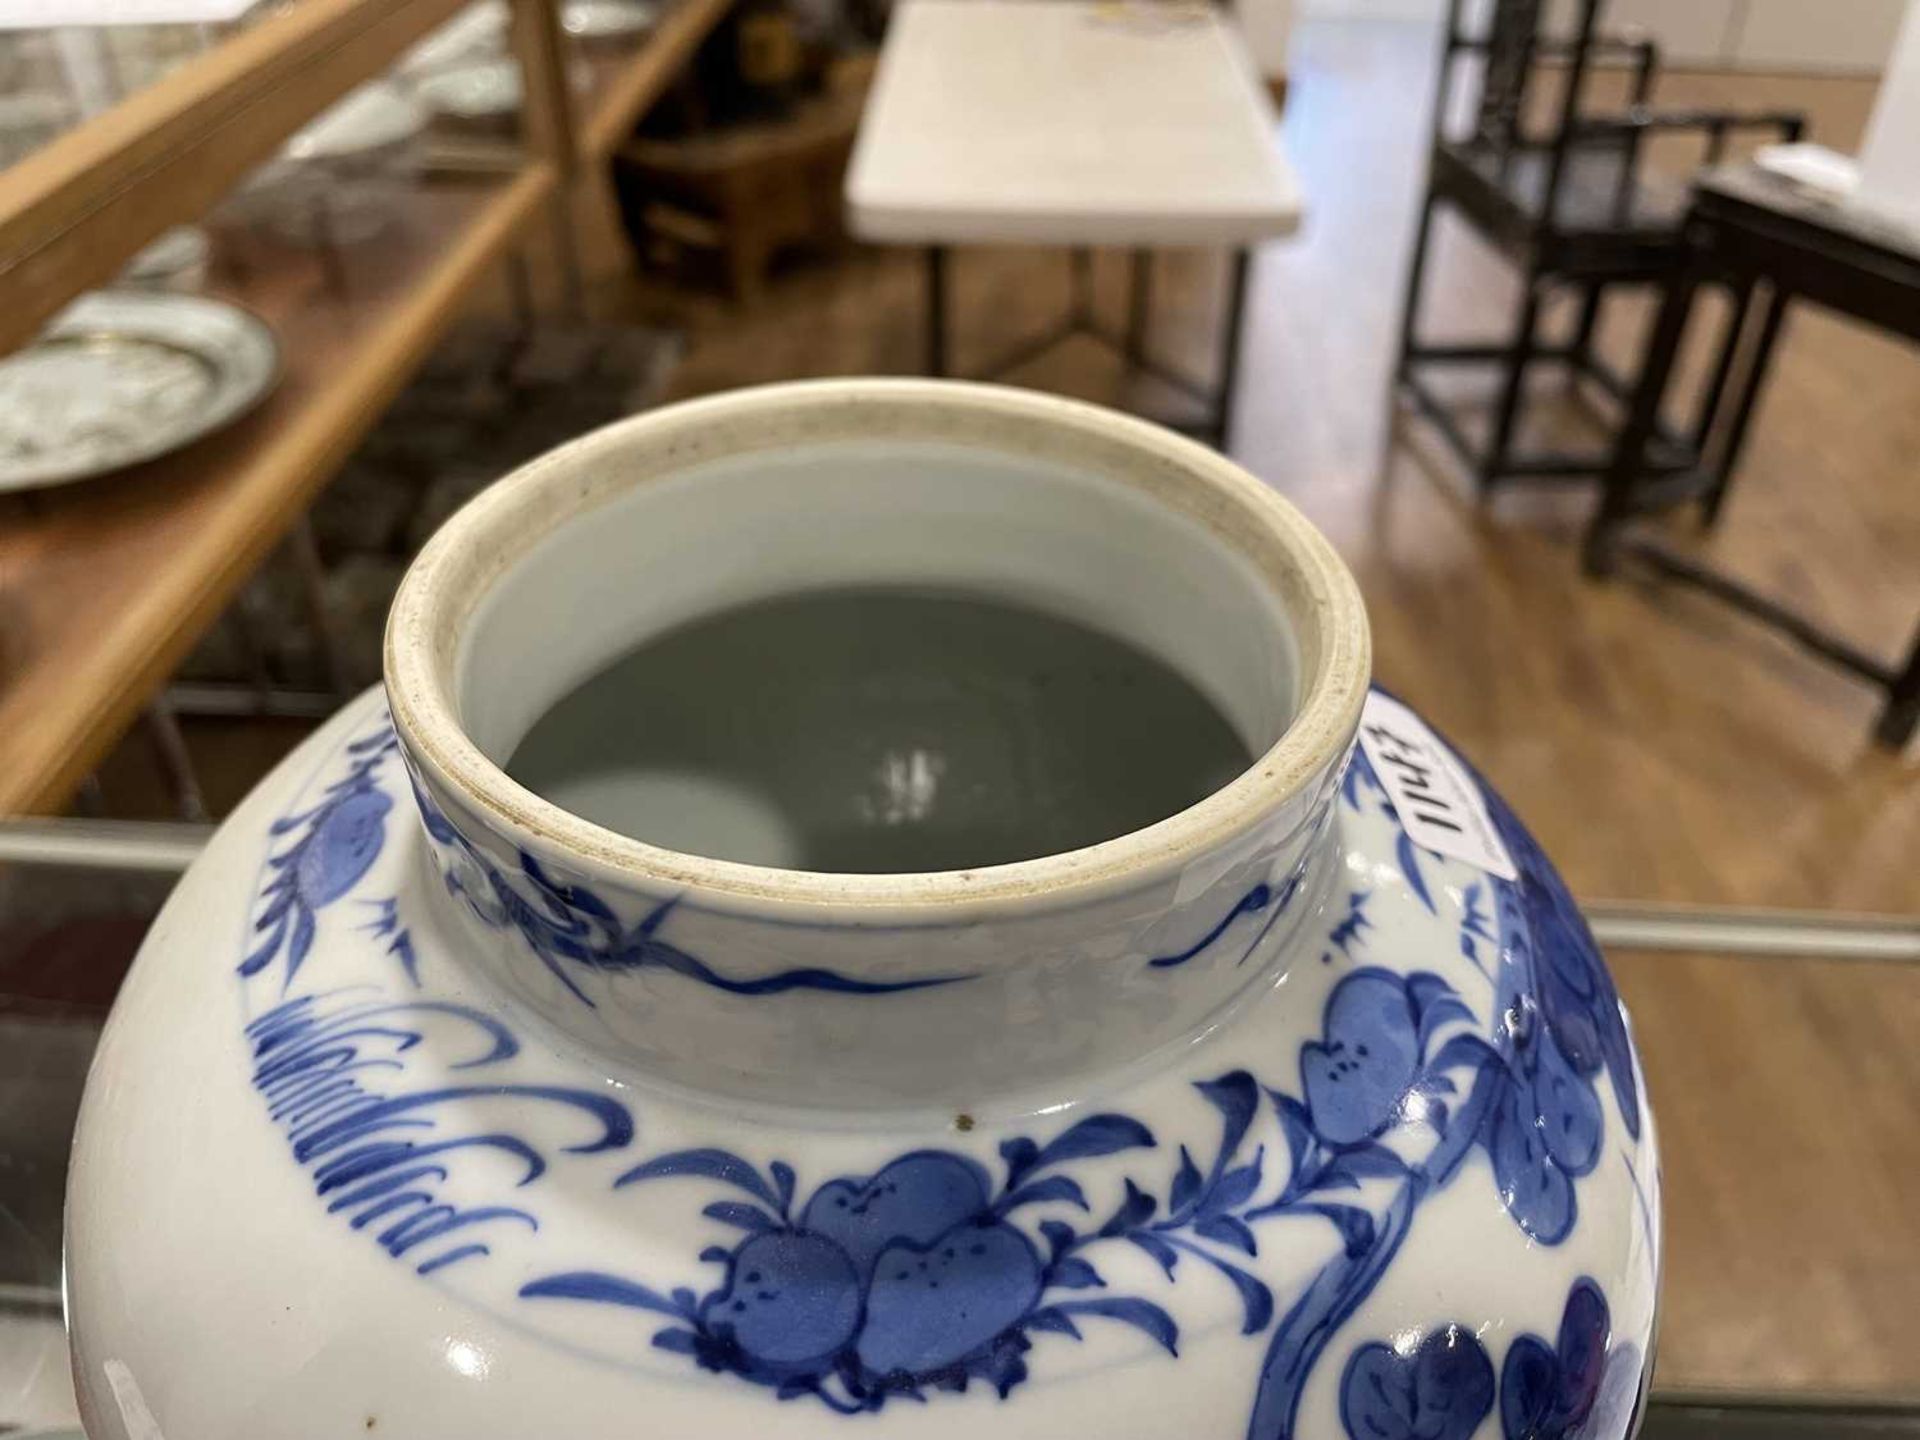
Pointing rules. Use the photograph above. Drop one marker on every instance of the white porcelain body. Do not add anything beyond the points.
(475, 1122)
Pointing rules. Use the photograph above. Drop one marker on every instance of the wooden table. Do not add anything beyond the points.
(1078, 124)
(1762, 230)
(104, 585)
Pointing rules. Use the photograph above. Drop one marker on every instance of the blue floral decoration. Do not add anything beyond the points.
(1576, 1388)
(1440, 1389)
(935, 1270)
(335, 844)
(1571, 983)
(569, 922)
(1538, 1116)
(919, 1277)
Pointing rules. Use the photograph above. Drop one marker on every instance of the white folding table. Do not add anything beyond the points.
(1079, 124)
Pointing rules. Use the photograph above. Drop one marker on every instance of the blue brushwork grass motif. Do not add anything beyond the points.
(332, 1069)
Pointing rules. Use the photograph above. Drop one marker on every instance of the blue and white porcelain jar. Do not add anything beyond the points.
(432, 1110)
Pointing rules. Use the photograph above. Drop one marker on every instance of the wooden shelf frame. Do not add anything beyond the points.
(105, 587)
(73, 213)
(617, 104)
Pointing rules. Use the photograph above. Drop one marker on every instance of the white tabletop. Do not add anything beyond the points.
(1068, 122)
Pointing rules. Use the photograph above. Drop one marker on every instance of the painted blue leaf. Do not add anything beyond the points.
(1141, 1314)
(1186, 1183)
(744, 1217)
(1354, 1224)
(1372, 1162)
(1425, 989)
(1157, 1248)
(1226, 1230)
(1054, 1187)
(1440, 1390)
(302, 941)
(597, 1286)
(1567, 1108)
(263, 955)
(783, 1180)
(1297, 1124)
(685, 1299)
(1059, 1236)
(1332, 1176)
(1020, 1153)
(1236, 1097)
(1052, 1320)
(1135, 1210)
(1409, 859)
(1255, 1298)
(1096, 1135)
(680, 1342)
(1236, 1187)
(1536, 1192)
(720, 1165)
(1439, 1013)
(1582, 1351)
(716, 1254)
(1466, 1049)
(401, 948)
(1074, 1273)
(1529, 1380)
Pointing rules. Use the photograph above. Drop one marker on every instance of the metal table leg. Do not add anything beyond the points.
(1229, 380)
(176, 759)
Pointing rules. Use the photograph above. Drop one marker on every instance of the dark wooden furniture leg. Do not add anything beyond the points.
(1901, 716)
(937, 311)
(1630, 451)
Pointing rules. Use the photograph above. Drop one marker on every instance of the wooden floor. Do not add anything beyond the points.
(1663, 748)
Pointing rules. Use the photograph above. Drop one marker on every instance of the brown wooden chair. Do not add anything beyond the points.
(1568, 208)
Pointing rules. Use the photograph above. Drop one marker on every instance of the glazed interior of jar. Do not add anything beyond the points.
(1044, 505)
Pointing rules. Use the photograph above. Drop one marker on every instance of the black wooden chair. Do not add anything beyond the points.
(1570, 210)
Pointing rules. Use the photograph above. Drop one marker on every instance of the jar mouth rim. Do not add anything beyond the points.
(443, 587)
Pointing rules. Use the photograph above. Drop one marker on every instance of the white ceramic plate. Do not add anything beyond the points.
(477, 33)
(122, 376)
(488, 90)
(373, 117)
(607, 19)
(177, 260)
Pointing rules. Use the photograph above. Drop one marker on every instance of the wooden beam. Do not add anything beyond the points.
(620, 103)
(110, 584)
(74, 212)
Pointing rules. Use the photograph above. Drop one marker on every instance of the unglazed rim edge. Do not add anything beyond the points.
(446, 581)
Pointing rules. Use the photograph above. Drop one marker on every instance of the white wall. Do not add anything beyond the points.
(1827, 35)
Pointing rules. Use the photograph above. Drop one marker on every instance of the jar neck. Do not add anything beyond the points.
(1007, 1004)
